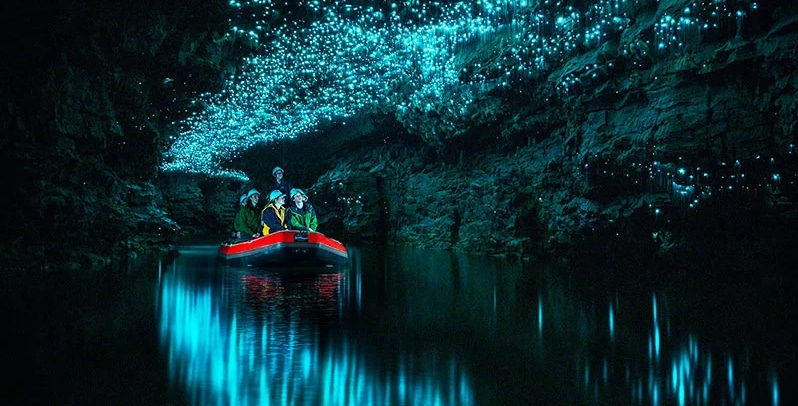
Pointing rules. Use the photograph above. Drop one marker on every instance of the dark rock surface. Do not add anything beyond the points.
(619, 155)
(89, 90)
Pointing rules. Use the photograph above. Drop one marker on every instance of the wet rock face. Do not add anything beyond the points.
(689, 158)
(89, 89)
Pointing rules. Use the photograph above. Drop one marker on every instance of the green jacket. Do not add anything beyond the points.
(247, 221)
(303, 219)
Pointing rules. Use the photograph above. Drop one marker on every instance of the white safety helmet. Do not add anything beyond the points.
(274, 195)
(295, 191)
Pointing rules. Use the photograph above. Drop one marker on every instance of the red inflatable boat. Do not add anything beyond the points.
(286, 248)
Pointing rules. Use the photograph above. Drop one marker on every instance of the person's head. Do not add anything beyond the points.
(253, 195)
(298, 196)
(277, 198)
(277, 172)
(243, 199)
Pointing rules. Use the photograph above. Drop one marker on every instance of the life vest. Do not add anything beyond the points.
(280, 213)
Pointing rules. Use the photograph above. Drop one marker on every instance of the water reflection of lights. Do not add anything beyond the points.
(261, 344)
(382, 337)
(678, 370)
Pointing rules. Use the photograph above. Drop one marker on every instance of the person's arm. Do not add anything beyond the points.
(252, 224)
(239, 224)
(291, 220)
(313, 222)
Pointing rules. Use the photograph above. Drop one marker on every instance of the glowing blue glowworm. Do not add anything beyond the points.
(354, 58)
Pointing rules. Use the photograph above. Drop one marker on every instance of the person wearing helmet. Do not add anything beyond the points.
(242, 202)
(247, 222)
(280, 182)
(273, 215)
(301, 214)
(254, 195)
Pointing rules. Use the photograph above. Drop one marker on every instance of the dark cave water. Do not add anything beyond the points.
(395, 326)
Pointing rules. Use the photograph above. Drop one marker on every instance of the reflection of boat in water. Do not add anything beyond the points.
(288, 247)
(307, 293)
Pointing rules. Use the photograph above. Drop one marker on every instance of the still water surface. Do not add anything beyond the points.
(397, 326)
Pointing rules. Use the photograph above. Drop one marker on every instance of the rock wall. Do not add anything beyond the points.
(90, 90)
(678, 161)
(621, 155)
(681, 160)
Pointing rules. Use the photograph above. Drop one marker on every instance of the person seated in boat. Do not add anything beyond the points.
(280, 182)
(301, 215)
(247, 221)
(273, 215)
(242, 201)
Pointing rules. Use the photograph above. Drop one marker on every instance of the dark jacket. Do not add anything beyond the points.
(247, 221)
(285, 186)
(273, 219)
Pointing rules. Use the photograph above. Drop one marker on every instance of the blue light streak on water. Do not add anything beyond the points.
(707, 380)
(587, 374)
(612, 322)
(655, 395)
(656, 333)
(730, 377)
(540, 316)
